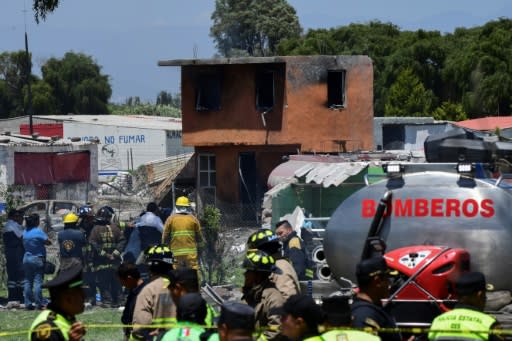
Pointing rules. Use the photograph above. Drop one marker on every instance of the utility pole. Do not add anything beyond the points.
(28, 72)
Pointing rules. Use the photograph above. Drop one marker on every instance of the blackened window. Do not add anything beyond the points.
(265, 90)
(208, 92)
(336, 88)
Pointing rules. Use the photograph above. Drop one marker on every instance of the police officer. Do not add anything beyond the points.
(57, 322)
(191, 312)
(467, 320)
(367, 311)
(338, 320)
(287, 281)
(294, 249)
(154, 304)
(261, 293)
(185, 281)
(71, 242)
(300, 318)
(236, 323)
(13, 249)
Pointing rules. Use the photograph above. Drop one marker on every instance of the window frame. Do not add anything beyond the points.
(208, 171)
(337, 101)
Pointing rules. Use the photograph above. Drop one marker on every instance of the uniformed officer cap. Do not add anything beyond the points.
(192, 308)
(66, 279)
(337, 310)
(303, 306)
(371, 267)
(237, 316)
(469, 283)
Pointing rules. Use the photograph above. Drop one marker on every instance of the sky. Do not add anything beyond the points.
(128, 37)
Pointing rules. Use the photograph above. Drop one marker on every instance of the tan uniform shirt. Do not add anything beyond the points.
(271, 299)
(287, 282)
(154, 306)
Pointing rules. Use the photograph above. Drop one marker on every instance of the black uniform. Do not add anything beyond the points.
(295, 251)
(129, 307)
(14, 251)
(71, 244)
(367, 314)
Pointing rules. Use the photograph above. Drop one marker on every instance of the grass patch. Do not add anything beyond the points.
(18, 323)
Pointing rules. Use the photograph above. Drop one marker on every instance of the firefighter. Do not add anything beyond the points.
(338, 319)
(294, 250)
(191, 312)
(261, 293)
(287, 281)
(300, 318)
(154, 303)
(182, 232)
(71, 243)
(367, 311)
(13, 249)
(57, 322)
(467, 320)
(107, 242)
(185, 281)
(86, 224)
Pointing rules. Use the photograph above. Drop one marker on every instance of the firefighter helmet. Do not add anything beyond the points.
(182, 201)
(158, 254)
(70, 218)
(105, 212)
(85, 211)
(264, 239)
(257, 260)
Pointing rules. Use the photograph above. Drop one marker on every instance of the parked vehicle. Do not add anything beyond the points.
(51, 212)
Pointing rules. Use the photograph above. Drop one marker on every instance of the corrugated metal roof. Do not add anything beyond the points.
(487, 123)
(322, 173)
(160, 170)
(133, 121)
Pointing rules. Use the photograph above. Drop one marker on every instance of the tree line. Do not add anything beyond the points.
(454, 76)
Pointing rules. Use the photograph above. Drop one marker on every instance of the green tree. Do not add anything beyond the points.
(408, 97)
(164, 97)
(252, 27)
(450, 111)
(43, 7)
(78, 85)
(13, 78)
(43, 101)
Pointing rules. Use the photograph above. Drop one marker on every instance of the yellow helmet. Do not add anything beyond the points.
(182, 201)
(70, 218)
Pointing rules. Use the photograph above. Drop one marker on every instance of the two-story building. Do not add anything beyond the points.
(243, 115)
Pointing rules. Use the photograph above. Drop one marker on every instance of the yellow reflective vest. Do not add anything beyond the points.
(45, 323)
(461, 323)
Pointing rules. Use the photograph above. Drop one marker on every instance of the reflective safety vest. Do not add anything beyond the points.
(183, 332)
(42, 325)
(461, 323)
(347, 335)
(211, 316)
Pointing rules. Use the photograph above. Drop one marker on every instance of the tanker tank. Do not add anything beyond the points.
(428, 208)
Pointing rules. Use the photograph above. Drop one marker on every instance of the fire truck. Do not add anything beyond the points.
(431, 221)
